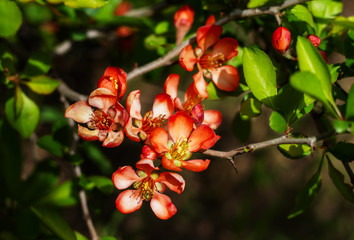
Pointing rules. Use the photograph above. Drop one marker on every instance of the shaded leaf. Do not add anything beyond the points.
(302, 13)
(343, 151)
(42, 84)
(61, 196)
(26, 120)
(349, 113)
(241, 127)
(54, 222)
(104, 184)
(349, 49)
(251, 107)
(38, 64)
(259, 75)
(308, 194)
(48, 143)
(338, 179)
(295, 151)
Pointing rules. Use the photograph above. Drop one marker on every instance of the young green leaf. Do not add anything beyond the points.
(325, 8)
(25, 120)
(38, 64)
(338, 180)
(42, 84)
(294, 151)
(349, 113)
(54, 222)
(308, 194)
(340, 126)
(277, 122)
(310, 60)
(11, 18)
(85, 3)
(162, 27)
(302, 13)
(251, 107)
(260, 75)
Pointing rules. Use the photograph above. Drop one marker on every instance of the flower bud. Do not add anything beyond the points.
(314, 39)
(183, 21)
(197, 114)
(148, 152)
(281, 39)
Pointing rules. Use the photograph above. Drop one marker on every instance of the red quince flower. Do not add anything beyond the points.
(148, 185)
(181, 141)
(138, 128)
(316, 41)
(115, 80)
(192, 103)
(210, 55)
(183, 21)
(148, 152)
(210, 20)
(281, 39)
(101, 118)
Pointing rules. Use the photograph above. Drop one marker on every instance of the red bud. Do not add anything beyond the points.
(281, 39)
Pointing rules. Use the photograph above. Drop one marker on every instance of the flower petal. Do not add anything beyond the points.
(131, 131)
(200, 84)
(210, 20)
(212, 118)
(169, 164)
(187, 58)
(159, 139)
(225, 77)
(102, 98)
(183, 20)
(180, 126)
(128, 202)
(88, 134)
(173, 181)
(80, 112)
(196, 165)
(162, 206)
(163, 105)
(227, 46)
(147, 165)
(124, 177)
(208, 35)
(115, 80)
(171, 85)
(148, 152)
(202, 137)
(113, 139)
(134, 105)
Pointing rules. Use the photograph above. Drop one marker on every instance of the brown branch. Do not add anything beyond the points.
(273, 142)
(235, 14)
(78, 174)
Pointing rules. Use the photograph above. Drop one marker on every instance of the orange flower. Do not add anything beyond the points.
(101, 118)
(148, 185)
(138, 128)
(183, 21)
(181, 141)
(115, 80)
(210, 55)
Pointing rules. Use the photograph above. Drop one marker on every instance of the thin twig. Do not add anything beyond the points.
(273, 142)
(78, 174)
(349, 171)
(235, 14)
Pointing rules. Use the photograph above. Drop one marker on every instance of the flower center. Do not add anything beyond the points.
(179, 150)
(100, 120)
(208, 61)
(145, 188)
(191, 102)
(149, 123)
(114, 81)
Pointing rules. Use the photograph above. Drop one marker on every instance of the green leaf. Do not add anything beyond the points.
(295, 151)
(302, 13)
(42, 84)
(334, 71)
(327, 9)
(311, 60)
(96, 156)
(48, 143)
(346, 23)
(340, 126)
(349, 113)
(11, 18)
(277, 122)
(343, 151)
(308, 194)
(25, 120)
(152, 41)
(241, 127)
(104, 184)
(338, 179)
(251, 107)
(6, 60)
(79, 236)
(162, 27)
(61, 196)
(85, 3)
(108, 238)
(259, 75)
(54, 222)
(349, 49)
(257, 3)
(38, 64)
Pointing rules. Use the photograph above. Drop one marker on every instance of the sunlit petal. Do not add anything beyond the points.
(159, 139)
(128, 202)
(80, 112)
(134, 105)
(196, 165)
(102, 98)
(163, 105)
(208, 35)
(226, 77)
(171, 85)
(124, 177)
(212, 118)
(227, 46)
(187, 58)
(200, 84)
(87, 134)
(113, 139)
(202, 137)
(162, 206)
(179, 126)
(173, 181)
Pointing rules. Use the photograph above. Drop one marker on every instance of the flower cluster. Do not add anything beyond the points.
(170, 132)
